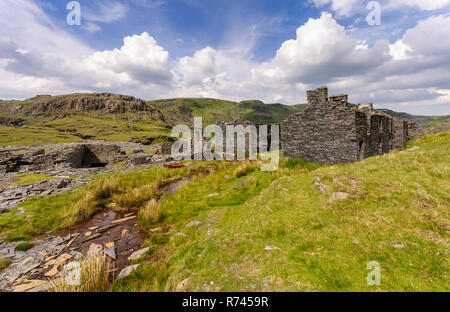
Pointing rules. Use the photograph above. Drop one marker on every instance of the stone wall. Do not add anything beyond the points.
(414, 131)
(97, 155)
(400, 133)
(63, 156)
(330, 131)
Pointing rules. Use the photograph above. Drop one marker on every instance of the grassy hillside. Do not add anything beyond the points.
(396, 214)
(103, 116)
(112, 117)
(423, 121)
(213, 110)
(78, 126)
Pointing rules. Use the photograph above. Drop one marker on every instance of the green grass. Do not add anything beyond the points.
(24, 246)
(401, 198)
(30, 178)
(150, 126)
(213, 110)
(117, 190)
(77, 126)
(398, 199)
(31, 135)
(4, 263)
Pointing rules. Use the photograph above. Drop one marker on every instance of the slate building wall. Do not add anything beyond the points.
(332, 131)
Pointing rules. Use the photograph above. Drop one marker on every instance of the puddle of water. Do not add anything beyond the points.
(175, 186)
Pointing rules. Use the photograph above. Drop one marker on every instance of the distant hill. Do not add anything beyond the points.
(114, 117)
(213, 110)
(442, 126)
(423, 121)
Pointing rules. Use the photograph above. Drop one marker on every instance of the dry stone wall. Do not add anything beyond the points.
(331, 131)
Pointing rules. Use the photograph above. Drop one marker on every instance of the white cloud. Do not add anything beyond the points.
(426, 5)
(140, 59)
(399, 50)
(105, 11)
(202, 64)
(323, 50)
(341, 7)
(412, 73)
(91, 27)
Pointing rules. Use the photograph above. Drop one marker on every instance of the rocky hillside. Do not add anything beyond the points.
(111, 103)
(442, 126)
(424, 121)
(229, 227)
(113, 117)
(213, 110)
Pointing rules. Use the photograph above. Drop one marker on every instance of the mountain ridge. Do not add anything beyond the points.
(115, 117)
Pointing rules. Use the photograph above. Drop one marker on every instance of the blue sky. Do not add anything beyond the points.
(237, 50)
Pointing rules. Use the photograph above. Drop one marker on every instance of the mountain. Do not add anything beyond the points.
(424, 121)
(113, 117)
(213, 110)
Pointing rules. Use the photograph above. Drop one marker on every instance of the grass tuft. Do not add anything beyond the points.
(24, 246)
(94, 276)
(151, 213)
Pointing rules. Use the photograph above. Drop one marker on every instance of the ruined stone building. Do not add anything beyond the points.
(330, 130)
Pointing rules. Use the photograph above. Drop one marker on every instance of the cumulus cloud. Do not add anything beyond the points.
(427, 5)
(140, 59)
(341, 7)
(323, 51)
(412, 73)
(194, 69)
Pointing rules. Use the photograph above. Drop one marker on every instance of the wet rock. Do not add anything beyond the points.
(175, 186)
(139, 254)
(111, 252)
(29, 285)
(43, 287)
(128, 270)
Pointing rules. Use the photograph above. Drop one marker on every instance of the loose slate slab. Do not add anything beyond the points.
(123, 220)
(138, 254)
(29, 285)
(127, 271)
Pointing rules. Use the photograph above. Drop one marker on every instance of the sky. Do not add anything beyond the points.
(231, 49)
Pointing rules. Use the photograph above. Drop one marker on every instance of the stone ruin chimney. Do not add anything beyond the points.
(318, 96)
(365, 107)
